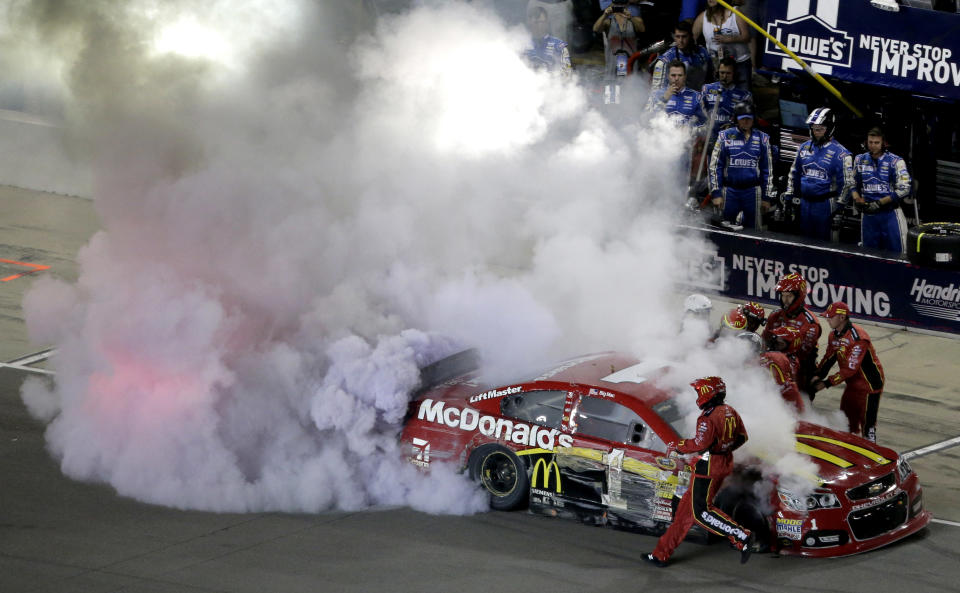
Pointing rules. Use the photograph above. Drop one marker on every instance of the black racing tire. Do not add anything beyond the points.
(745, 510)
(935, 245)
(502, 475)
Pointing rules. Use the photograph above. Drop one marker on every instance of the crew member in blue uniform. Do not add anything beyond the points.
(881, 181)
(739, 176)
(696, 58)
(677, 100)
(546, 51)
(722, 96)
(821, 175)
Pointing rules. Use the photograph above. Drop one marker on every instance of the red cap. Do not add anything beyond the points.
(837, 308)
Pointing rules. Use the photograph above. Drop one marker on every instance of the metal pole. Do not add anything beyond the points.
(796, 58)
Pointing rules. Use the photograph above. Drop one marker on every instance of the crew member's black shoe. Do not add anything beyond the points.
(654, 560)
(747, 548)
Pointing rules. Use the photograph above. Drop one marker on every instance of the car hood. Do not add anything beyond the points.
(843, 459)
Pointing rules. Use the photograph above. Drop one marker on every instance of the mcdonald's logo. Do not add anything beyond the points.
(547, 468)
(730, 427)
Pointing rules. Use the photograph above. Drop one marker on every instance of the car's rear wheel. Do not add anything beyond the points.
(502, 474)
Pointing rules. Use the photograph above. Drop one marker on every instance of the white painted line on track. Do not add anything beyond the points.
(20, 367)
(931, 448)
(32, 358)
(945, 522)
(23, 363)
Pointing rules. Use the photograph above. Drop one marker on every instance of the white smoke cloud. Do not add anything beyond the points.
(290, 232)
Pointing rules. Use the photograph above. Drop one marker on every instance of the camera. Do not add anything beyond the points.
(618, 5)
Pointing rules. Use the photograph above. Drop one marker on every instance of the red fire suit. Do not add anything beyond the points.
(784, 370)
(719, 432)
(858, 366)
(809, 326)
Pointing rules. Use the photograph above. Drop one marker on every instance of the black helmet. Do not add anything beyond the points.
(742, 108)
(822, 116)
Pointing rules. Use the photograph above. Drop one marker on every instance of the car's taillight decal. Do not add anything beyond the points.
(879, 459)
(820, 454)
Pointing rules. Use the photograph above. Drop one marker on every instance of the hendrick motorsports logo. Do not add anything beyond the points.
(933, 300)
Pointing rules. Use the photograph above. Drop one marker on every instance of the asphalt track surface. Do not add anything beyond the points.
(58, 535)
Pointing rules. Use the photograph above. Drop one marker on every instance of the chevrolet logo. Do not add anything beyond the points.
(875, 489)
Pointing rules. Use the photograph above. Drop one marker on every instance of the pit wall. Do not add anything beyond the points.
(884, 290)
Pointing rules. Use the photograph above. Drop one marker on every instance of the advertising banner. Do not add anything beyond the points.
(915, 49)
(890, 291)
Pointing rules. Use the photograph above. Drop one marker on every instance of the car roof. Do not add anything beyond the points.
(612, 371)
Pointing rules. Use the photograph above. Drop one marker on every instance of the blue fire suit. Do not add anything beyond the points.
(740, 174)
(549, 53)
(683, 106)
(699, 67)
(685, 109)
(874, 179)
(727, 97)
(822, 176)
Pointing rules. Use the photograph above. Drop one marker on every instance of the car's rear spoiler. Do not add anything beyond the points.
(451, 367)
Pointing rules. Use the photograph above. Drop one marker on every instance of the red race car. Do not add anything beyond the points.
(586, 440)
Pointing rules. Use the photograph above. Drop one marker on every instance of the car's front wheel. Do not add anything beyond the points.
(502, 474)
(745, 510)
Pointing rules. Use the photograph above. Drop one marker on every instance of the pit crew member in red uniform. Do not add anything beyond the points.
(720, 431)
(781, 363)
(859, 368)
(747, 317)
(755, 314)
(792, 293)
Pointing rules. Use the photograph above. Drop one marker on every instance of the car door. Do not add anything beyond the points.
(639, 481)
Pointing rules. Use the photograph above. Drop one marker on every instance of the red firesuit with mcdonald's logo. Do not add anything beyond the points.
(720, 431)
(795, 314)
(858, 365)
(783, 370)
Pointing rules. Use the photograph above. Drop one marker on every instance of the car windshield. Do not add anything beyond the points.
(670, 412)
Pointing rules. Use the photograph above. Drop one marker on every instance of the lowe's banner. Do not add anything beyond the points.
(890, 291)
(915, 49)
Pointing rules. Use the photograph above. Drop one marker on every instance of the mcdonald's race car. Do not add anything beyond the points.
(586, 440)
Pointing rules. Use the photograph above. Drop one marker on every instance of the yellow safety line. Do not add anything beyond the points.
(796, 58)
(865, 452)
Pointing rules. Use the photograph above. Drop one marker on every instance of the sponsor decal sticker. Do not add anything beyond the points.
(422, 450)
(789, 528)
(499, 428)
(548, 468)
(494, 393)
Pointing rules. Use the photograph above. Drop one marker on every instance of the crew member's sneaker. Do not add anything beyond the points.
(747, 548)
(654, 560)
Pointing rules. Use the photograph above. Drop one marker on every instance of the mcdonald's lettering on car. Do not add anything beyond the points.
(548, 467)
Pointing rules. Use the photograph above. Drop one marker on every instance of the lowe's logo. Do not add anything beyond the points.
(810, 31)
(813, 40)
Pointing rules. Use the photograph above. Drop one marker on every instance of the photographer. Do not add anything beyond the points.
(622, 31)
